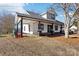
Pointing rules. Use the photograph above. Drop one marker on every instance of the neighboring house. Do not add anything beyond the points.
(35, 24)
(74, 29)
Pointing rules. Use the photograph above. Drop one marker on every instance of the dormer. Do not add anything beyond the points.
(50, 14)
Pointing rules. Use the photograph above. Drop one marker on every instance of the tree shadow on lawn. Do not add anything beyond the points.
(55, 35)
(58, 35)
(2, 36)
(74, 37)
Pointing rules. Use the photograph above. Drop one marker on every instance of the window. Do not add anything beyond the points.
(56, 27)
(41, 26)
(24, 28)
(52, 16)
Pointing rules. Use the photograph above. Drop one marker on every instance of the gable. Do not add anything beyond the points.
(44, 16)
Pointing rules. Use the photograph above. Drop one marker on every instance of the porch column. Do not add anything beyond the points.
(61, 29)
(39, 30)
(21, 27)
(16, 30)
(52, 28)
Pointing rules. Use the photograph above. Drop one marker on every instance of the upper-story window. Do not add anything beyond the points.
(52, 16)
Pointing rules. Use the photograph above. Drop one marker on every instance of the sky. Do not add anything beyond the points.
(38, 7)
(35, 7)
(43, 7)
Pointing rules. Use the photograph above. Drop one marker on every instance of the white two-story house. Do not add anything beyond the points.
(31, 23)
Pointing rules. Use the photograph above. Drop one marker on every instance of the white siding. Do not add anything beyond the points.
(17, 19)
(45, 28)
(30, 24)
(35, 28)
(31, 28)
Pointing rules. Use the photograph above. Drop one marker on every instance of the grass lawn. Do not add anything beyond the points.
(37, 46)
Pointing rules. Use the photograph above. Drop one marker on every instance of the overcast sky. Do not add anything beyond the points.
(12, 7)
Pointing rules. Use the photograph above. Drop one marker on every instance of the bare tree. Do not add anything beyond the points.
(66, 23)
(76, 15)
(69, 18)
(7, 23)
(68, 9)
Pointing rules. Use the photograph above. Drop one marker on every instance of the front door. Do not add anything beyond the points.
(50, 29)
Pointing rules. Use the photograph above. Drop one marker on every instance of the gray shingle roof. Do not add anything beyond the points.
(31, 14)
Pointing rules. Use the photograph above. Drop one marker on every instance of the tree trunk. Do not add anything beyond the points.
(66, 25)
(66, 32)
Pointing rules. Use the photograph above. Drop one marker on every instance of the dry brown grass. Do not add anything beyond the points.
(41, 46)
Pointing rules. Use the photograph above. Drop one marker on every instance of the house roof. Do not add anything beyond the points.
(34, 14)
(38, 17)
(30, 14)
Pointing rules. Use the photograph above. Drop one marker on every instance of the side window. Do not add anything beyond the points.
(56, 27)
(24, 28)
